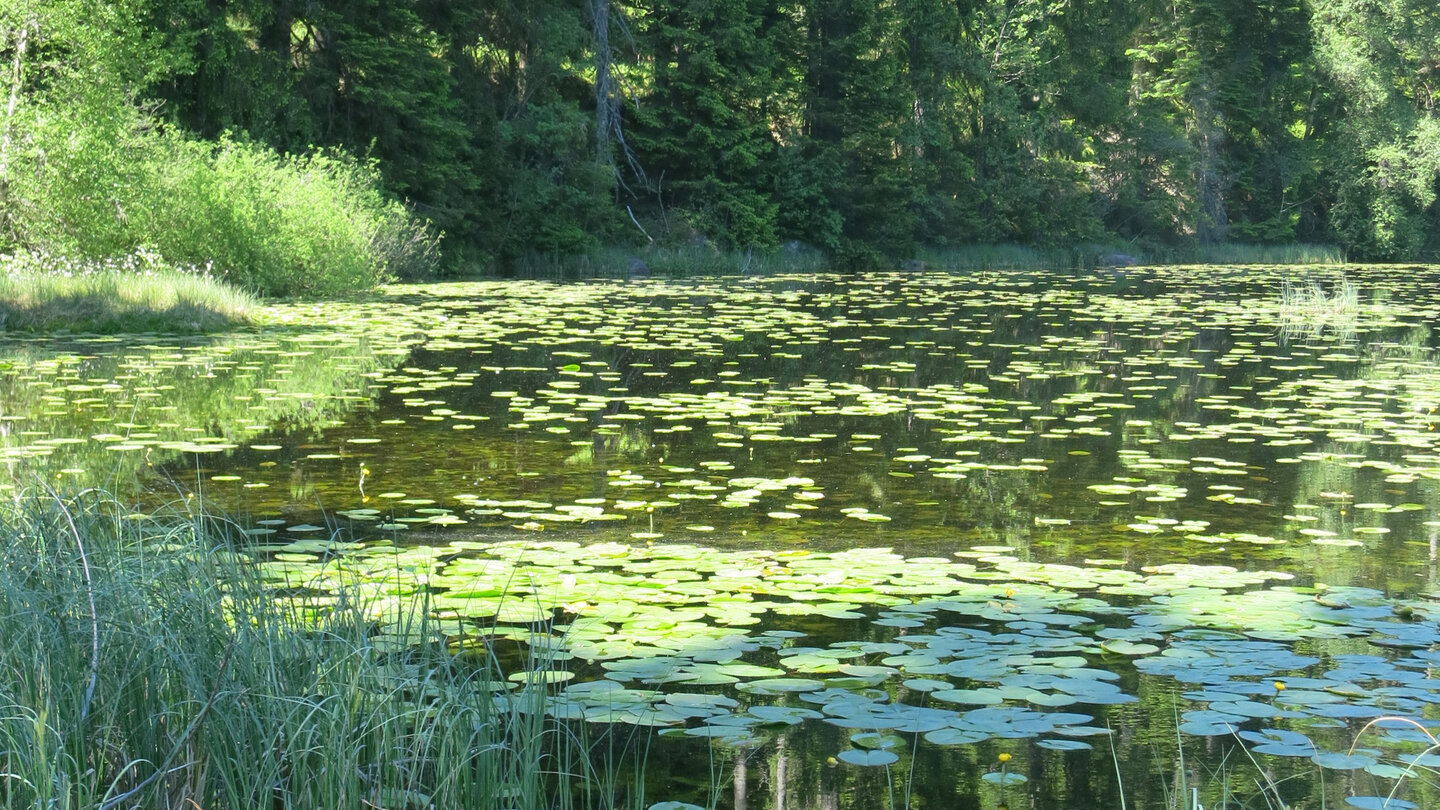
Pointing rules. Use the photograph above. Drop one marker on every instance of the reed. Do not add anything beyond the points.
(682, 261)
(146, 663)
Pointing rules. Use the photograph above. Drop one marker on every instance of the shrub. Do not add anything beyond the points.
(314, 224)
(309, 224)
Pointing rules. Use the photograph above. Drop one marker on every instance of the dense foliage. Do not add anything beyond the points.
(865, 128)
(90, 171)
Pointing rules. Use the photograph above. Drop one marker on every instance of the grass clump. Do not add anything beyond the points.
(704, 259)
(139, 292)
(1029, 257)
(1310, 309)
(147, 664)
(678, 261)
(1299, 253)
(996, 257)
(1312, 299)
(1232, 253)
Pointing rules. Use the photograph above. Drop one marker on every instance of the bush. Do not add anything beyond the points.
(315, 224)
(311, 224)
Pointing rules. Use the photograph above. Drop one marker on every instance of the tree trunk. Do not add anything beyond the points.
(1212, 223)
(607, 112)
(7, 137)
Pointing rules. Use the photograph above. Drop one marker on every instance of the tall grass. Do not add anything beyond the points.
(998, 257)
(1299, 253)
(1310, 309)
(1023, 257)
(672, 262)
(139, 292)
(145, 664)
(704, 260)
(1311, 299)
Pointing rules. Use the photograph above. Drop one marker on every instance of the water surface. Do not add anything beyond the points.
(849, 538)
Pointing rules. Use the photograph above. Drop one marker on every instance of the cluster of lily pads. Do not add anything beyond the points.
(698, 471)
(906, 402)
(955, 651)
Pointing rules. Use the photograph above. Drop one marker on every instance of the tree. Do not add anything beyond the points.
(1385, 157)
(72, 75)
(867, 128)
(703, 126)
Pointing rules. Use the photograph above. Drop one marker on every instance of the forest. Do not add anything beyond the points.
(866, 129)
(719, 404)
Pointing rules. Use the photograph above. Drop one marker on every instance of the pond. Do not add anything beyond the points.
(849, 541)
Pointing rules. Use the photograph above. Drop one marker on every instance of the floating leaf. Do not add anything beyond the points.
(868, 757)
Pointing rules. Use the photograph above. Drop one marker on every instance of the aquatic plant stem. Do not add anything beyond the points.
(1267, 788)
(1115, 759)
(1391, 718)
(1180, 752)
(910, 777)
(1395, 788)
(1435, 746)
(163, 769)
(94, 675)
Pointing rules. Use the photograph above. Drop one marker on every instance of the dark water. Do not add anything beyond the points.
(1137, 477)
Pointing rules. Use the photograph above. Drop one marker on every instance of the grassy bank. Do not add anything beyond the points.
(139, 230)
(1236, 253)
(296, 225)
(88, 176)
(706, 260)
(674, 261)
(136, 293)
(1003, 257)
(145, 664)
(1019, 257)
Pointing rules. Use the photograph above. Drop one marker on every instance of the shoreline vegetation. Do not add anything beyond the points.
(143, 292)
(794, 257)
(113, 218)
(136, 293)
(307, 152)
(192, 235)
(147, 663)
